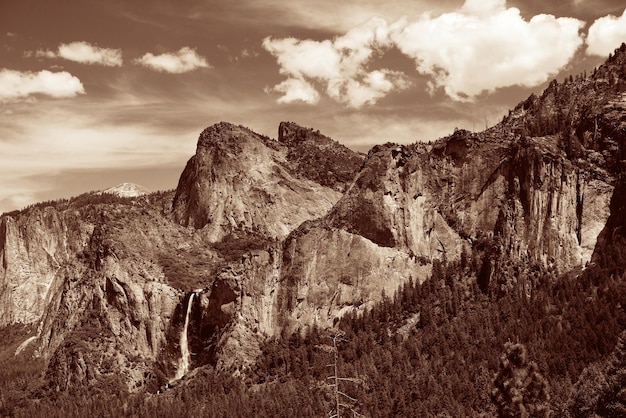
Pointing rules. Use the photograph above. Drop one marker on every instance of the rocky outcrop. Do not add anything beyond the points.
(239, 182)
(111, 317)
(611, 246)
(317, 157)
(328, 271)
(236, 312)
(109, 325)
(392, 204)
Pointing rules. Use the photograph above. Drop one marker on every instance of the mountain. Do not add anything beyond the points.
(116, 269)
(269, 241)
(127, 190)
(240, 182)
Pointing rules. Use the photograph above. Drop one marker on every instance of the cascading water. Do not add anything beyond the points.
(185, 354)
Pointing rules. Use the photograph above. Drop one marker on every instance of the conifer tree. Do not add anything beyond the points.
(520, 390)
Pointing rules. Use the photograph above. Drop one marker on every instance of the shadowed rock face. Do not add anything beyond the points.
(317, 157)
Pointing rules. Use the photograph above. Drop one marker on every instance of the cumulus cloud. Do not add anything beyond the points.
(485, 46)
(18, 85)
(606, 34)
(84, 53)
(479, 48)
(296, 89)
(340, 66)
(184, 60)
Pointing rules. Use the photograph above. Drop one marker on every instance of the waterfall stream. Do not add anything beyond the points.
(185, 354)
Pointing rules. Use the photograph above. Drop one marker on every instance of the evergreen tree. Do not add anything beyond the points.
(520, 390)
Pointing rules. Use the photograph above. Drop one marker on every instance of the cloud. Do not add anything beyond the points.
(606, 34)
(38, 143)
(40, 53)
(479, 48)
(485, 46)
(338, 65)
(184, 60)
(324, 15)
(18, 85)
(296, 89)
(84, 53)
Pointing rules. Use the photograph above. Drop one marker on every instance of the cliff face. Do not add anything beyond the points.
(33, 249)
(242, 183)
(317, 157)
(109, 326)
(111, 313)
(328, 271)
(106, 277)
(433, 200)
(555, 208)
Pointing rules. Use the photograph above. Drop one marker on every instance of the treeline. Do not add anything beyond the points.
(95, 198)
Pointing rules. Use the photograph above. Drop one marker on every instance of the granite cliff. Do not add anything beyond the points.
(241, 182)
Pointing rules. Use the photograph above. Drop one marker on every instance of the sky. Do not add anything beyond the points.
(96, 93)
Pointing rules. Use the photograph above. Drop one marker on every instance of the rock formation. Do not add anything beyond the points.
(240, 182)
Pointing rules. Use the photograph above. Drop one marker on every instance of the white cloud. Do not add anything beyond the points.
(296, 89)
(339, 65)
(483, 7)
(606, 34)
(485, 46)
(479, 48)
(82, 52)
(86, 53)
(18, 85)
(182, 61)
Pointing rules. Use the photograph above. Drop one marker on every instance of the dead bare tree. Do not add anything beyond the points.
(342, 399)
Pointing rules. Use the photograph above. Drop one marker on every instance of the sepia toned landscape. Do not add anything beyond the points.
(473, 267)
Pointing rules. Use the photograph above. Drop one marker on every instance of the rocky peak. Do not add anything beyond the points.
(245, 183)
(584, 113)
(127, 190)
(318, 157)
(227, 135)
(290, 133)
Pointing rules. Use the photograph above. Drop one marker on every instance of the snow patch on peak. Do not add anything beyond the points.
(127, 190)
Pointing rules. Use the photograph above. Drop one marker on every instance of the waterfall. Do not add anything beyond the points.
(185, 354)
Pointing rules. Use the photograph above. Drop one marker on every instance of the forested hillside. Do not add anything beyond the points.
(433, 349)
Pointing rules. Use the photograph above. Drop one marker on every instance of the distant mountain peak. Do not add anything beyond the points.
(127, 190)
